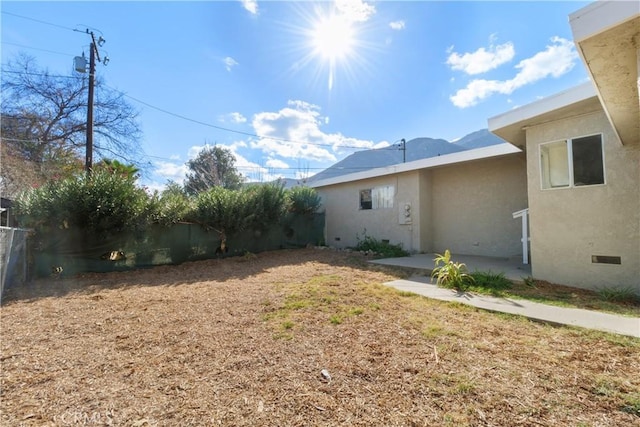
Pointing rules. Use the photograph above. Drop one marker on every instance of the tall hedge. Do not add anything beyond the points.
(103, 204)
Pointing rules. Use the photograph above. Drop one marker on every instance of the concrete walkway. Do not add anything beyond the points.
(597, 320)
(512, 268)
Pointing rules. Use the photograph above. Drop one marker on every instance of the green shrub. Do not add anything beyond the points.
(229, 211)
(173, 205)
(490, 282)
(385, 249)
(620, 294)
(451, 274)
(101, 205)
(266, 204)
(223, 210)
(303, 200)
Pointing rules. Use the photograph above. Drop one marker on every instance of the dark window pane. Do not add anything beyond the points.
(365, 199)
(588, 167)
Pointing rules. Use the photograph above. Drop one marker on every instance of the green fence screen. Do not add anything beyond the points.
(75, 252)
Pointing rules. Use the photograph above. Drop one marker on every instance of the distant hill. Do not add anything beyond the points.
(416, 149)
(479, 139)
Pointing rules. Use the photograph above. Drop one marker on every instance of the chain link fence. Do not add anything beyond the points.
(13, 257)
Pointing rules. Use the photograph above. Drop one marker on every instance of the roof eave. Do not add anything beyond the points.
(428, 163)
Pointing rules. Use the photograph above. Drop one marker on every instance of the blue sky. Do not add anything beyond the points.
(322, 78)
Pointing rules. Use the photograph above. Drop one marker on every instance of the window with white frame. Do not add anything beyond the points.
(377, 197)
(572, 163)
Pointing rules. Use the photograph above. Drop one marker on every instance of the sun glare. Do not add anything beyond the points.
(333, 37)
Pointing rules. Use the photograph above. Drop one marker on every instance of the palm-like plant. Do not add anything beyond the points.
(451, 274)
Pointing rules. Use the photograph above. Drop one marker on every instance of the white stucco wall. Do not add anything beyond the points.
(472, 205)
(345, 220)
(569, 225)
(465, 207)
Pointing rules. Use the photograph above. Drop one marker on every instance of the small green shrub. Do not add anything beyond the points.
(385, 249)
(620, 294)
(490, 282)
(451, 274)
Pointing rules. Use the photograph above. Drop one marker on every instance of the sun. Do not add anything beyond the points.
(333, 37)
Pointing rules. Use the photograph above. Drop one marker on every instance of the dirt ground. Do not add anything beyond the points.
(295, 338)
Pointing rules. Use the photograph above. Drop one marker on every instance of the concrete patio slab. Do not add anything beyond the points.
(512, 268)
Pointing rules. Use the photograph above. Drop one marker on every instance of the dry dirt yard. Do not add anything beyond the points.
(244, 341)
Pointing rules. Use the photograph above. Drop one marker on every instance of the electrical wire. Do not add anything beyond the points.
(182, 117)
(4, 12)
(36, 48)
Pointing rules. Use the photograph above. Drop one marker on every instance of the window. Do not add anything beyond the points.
(572, 163)
(377, 198)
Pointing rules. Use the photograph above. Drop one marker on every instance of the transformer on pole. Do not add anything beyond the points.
(80, 64)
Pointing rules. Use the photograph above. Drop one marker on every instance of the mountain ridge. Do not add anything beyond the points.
(414, 149)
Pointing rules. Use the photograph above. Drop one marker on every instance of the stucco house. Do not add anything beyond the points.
(571, 167)
(462, 201)
(583, 158)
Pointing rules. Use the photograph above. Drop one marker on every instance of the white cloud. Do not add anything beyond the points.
(229, 63)
(233, 118)
(397, 25)
(382, 144)
(277, 164)
(297, 133)
(251, 6)
(557, 59)
(482, 60)
(170, 171)
(355, 10)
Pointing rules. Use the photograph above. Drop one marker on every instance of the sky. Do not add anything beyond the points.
(292, 87)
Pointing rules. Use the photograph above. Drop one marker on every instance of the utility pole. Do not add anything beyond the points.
(80, 66)
(88, 164)
(404, 150)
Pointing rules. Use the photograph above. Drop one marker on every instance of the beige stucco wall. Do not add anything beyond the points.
(345, 220)
(472, 205)
(465, 207)
(569, 225)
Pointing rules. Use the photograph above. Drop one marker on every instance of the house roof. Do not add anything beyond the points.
(428, 163)
(607, 37)
(572, 102)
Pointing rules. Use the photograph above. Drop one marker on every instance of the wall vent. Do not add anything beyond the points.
(337, 239)
(605, 259)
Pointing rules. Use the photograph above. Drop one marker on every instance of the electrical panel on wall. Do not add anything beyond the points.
(404, 214)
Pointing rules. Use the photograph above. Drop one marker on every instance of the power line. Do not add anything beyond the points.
(258, 167)
(27, 73)
(180, 116)
(232, 130)
(37, 20)
(36, 48)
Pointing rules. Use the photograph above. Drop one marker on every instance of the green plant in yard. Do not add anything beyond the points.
(103, 204)
(173, 205)
(303, 200)
(620, 294)
(382, 248)
(450, 274)
(489, 282)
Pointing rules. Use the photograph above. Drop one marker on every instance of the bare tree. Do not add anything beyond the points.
(44, 117)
